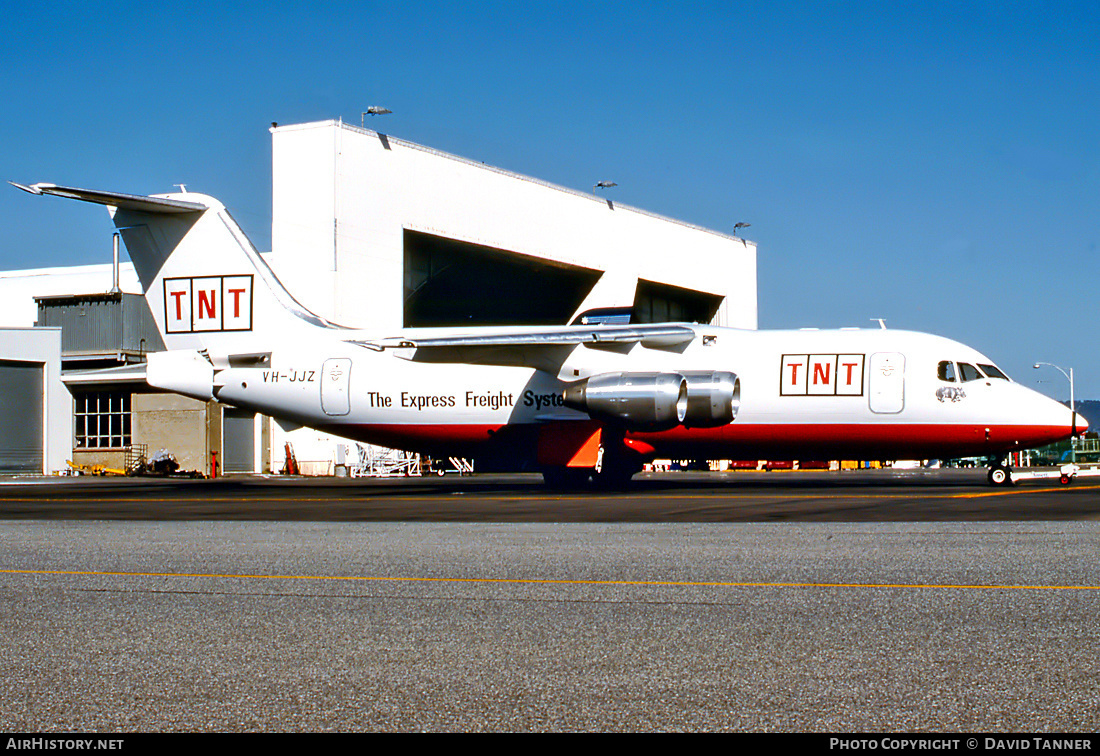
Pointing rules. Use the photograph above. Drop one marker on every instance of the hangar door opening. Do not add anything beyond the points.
(21, 417)
(238, 440)
(454, 283)
(663, 303)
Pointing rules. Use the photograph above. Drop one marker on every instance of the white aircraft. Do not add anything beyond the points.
(578, 401)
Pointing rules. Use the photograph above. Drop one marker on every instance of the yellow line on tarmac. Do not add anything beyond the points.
(1010, 491)
(539, 581)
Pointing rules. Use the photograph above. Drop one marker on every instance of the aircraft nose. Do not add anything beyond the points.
(1081, 423)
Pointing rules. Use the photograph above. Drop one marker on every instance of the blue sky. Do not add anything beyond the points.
(933, 164)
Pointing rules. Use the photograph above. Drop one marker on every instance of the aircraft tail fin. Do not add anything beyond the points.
(206, 285)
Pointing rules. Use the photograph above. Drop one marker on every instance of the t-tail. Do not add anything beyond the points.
(206, 285)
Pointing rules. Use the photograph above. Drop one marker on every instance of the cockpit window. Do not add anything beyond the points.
(969, 373)
(946, 371)
(993, 371)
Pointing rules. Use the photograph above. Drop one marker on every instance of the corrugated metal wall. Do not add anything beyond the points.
(101, 323)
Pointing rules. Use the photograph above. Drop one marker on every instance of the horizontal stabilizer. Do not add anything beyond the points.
(183, 371)
(115, 199)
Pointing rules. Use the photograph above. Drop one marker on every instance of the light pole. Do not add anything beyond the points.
(373, 110)
(1072, 405)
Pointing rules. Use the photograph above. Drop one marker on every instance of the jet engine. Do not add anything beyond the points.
(658, 401)
(714, 396)
(639, 401)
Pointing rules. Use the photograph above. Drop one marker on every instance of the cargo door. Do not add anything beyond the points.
(887, 377)
(335, 376)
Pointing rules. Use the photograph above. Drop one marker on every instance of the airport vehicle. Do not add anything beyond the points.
(1065, 474)
(580, 401)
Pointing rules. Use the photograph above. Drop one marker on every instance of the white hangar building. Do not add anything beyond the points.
(372, 231)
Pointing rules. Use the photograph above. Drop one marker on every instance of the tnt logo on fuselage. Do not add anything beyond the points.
(821, 375)
(210, 303)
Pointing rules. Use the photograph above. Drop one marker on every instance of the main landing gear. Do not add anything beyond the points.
(612, 471)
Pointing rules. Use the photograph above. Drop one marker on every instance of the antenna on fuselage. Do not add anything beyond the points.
(881, 322)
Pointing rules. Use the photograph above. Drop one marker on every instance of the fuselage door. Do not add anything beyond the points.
(335, 377)
(887, 378)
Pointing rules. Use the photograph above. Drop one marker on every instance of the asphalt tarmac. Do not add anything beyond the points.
(849, 496)
(804, 602)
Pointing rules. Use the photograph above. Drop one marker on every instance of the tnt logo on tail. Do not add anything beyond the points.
(211, 303)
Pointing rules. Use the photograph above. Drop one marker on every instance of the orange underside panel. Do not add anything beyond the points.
(574, 444)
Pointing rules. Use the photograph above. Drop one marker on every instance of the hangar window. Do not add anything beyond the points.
(102, 419)
(946, 371)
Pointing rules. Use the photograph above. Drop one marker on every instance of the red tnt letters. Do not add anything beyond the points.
(211, 303)
(821, 375)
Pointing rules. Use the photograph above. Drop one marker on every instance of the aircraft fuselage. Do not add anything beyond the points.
(876, 394)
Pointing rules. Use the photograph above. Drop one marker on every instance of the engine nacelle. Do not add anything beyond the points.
(659, 401)
(714, 396)
(637, 401)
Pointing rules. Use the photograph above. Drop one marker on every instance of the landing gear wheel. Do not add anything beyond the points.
(615, 469)
(567, 478)
(616, 475)
(1000, 476)
(1065, 480)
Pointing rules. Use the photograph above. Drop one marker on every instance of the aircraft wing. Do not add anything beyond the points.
(542, 348)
